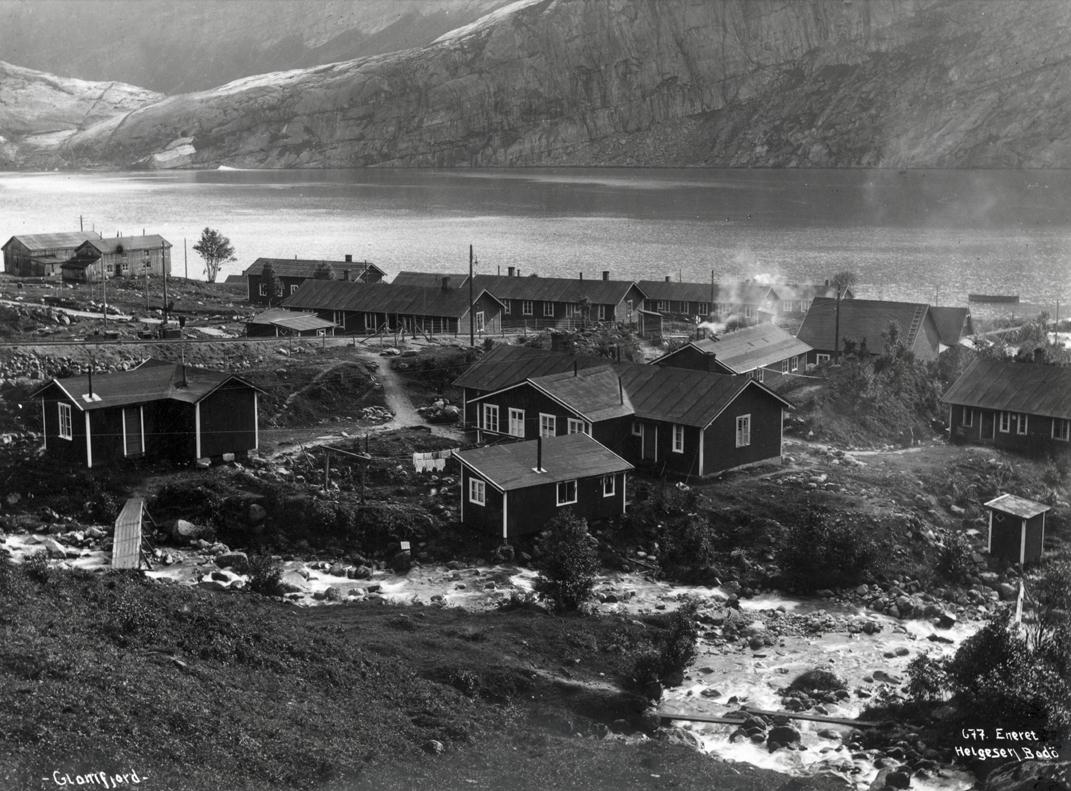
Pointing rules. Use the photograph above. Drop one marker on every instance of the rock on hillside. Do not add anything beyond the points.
(824, 83)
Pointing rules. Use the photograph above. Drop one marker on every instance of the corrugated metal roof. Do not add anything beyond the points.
(281, 317)
(1014, 387)
(556, 289)
(504, 365)
(859, 319)
(428, 279)
(596, 393)
(306, 267)
(1017, 506)
(52, 241)
(753, 347)
(952, 324)
(567, 457)
(115, 244)
(380, 298)
(154, 381)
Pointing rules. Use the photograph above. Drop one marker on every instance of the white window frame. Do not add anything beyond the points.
(480, 321)
(784, 366)
(548, 425)
(796, 363)
(477, 491)
(1005, 422)
(663, 306)
(574, 426)
(490, 415)
(1022, 425)
(743, 430)
(506, 307)
(1065, 434)
(263, 289)
(967, 418)
(548, 309)
(602, 312)
(609, 485)
(516, 422)
(526, 307)
(294, 287)
(65, 418)
(566, 484)
(637, 429)
(821, 358)
(702, 309)
(678, 438)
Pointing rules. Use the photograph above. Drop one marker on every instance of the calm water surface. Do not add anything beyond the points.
(924, 235)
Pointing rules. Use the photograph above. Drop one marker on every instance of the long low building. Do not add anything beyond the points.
(367, 309)
(758, 352)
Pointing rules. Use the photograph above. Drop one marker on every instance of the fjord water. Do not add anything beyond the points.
(917, 234)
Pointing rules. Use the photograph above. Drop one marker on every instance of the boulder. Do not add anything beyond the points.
(1007, 591)
(782, 736)
(238, 561)
(401, 562)
(256, 514)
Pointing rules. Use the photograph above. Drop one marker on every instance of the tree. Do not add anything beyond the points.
(842, 283)
(324, 271)
(215, 249)
(273, 286)
(568, 561)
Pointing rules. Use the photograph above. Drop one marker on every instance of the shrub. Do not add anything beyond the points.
(955, 559)
(36, 566)
(265, 575)
(688, 543)
(567, 562)
(927, 679)
(131, 618)
(679, 646)
(823, 547)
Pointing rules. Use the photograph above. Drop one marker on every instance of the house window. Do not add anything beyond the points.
(490, 417)
(479, 321)
(1061, 429)
(548, 425)
(573, 426)
(702, 309)
(1023, 424)
(637, 429)
(293, 288)
(516, 422)
(678, 438)
(263, 290)
(609, 485)
(743, 431)
(967, 418)
(784, 366)
(1005, 422)
(506, 306)
(822, 358)
(795, 363)
(526, 307)
(548, 309)
(602, 313)
(65, 429)
(748, 311)
(477, 491)
(566, 492)
(663, 306)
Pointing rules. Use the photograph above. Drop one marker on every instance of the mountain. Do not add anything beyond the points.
(191, 45)
(821, 83)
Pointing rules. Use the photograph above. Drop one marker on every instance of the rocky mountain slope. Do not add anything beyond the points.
(822, 83)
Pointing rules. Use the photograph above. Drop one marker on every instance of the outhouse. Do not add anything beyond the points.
(1016, 528)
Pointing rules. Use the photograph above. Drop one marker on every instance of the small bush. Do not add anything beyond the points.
(927, 679)
(568, 562)
(265, 575)
(955, 559)
(823, 547)
(679, 647)
(36, 566)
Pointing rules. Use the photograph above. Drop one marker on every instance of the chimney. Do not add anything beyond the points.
(509, 271)
(91, 383)
(606, 274)
(667, 278)
(446, 284)
(349, 258)
(539, 454)
(581, 275)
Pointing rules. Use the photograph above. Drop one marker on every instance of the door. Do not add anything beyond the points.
(369, 322)
(133, 439)
(650, 442)
(988, 427)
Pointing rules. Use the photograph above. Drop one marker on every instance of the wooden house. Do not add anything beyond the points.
(364, 309)
(677, 300)
(280, 322)
(427, 279)
(506, 365)
(865, 321)
(688, 423)
(1016, 529)
(514, 489)
(759, 351)
(791, 300)
(1019, 406)
(120, 256)
(292, 272)
(42, 254)
(158, 410)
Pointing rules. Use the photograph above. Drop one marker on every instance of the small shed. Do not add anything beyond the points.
(280, 321)
(1016, 528)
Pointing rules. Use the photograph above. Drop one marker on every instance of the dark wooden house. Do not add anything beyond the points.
(42, 254)
(368, 309)
(759, 352)
(865, 321)
(1019, 406)
(292, 272)
(280, 322)
(158, 409)
(120, 256)
(427, 279)
(689, 423)
(1016, 529)
(677, 300)
(514, 489)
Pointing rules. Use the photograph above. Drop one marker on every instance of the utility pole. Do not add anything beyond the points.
(163, 269)
(185, 263)
(104, 289)
(145, 270)
(711, 294)
(472, 307)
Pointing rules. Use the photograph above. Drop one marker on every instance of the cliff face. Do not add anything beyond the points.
(936, 83)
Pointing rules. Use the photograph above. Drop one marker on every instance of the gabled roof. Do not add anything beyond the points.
(154, 381)
(116, 244)
(952, 324)
(306, 267)
(291, 320)
(511, 466)
(52, 241)
(555, 289)
(750, 348)
(1017, 506)
(1014, 387)
(381, 298)
(505, 365)
(428, 279)
(860, 319)
(594, 393)
(677, 292)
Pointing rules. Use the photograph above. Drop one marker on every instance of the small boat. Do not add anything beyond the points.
(998, 298)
